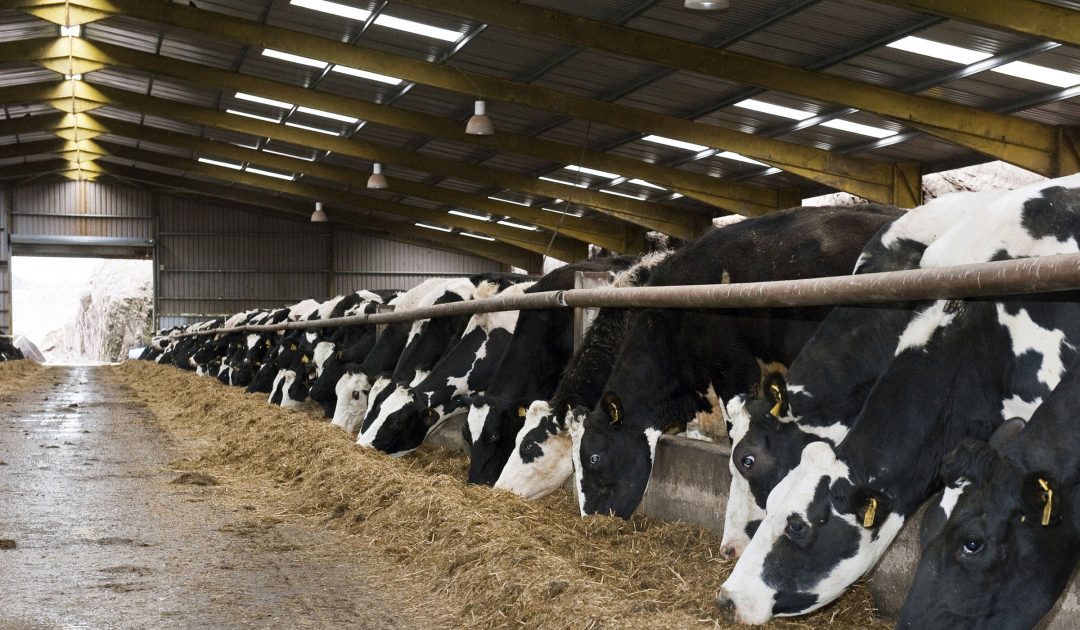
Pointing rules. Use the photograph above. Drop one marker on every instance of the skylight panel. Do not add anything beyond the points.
(678, 144)
(235, 167)
(948, 52)
(364, 74)
(591, 171)
(569, 213)
(250, 115)
(75, 30)
(520, 226)
(306, 158)
(864, 130)
(477, 236)
(622, 194)
(563, 182)
(468, 215)
(1041, 74)
(516, 203)
(326, 114)
(333, 8)
(244, 96)
(775, 110)
(739, 157)
(276, 175)
(315, 129)
(284, 56)
(418, 28)
(642, 182)
(433, 227)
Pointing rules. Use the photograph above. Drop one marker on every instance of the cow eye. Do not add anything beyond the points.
(531, 447)
(972, 546)
(594, 459)
(356, 395)
(494, 437)
(795, 527)
(747, 462)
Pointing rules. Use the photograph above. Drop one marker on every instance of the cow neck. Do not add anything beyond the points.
(929, 400)
(534, 358)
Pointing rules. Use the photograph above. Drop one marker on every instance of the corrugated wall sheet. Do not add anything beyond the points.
(82, 209)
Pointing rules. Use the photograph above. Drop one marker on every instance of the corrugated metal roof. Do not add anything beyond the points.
(843, 38)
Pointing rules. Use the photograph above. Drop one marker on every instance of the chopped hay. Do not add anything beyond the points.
(482, 558)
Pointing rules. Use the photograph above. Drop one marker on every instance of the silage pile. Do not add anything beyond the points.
(482, 558)
(15, 374)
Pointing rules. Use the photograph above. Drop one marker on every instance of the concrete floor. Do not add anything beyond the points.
(104, 540)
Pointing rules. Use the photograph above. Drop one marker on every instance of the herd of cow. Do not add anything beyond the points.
(842, 420)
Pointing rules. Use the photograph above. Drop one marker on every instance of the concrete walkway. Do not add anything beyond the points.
(104, 540)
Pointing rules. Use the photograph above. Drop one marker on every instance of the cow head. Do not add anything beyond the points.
(401, 422)
(324, 387)
(823, 529)
(767, 445)
(351, 391)
(612, 461)
(540, 461)
(490, 430)
(997, 550)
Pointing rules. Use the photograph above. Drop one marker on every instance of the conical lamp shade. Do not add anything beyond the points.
(480, 124)
(377, 179)
(707, 5)
(319, 216)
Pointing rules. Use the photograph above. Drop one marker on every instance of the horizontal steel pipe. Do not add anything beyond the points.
(1026, 275)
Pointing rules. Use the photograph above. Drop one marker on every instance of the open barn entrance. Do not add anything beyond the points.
(82, 310)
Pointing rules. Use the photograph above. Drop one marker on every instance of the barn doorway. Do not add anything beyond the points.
(82, 310)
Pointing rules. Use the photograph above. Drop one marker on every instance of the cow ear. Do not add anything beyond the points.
(870, 506)
(971, 460)
(430, 417)
(611, 405)
(1040, 497)
(775, 389)
(1006, 432)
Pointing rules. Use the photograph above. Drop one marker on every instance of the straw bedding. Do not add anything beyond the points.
(477, 557)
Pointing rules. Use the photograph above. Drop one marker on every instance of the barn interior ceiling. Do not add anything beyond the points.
(612, 117)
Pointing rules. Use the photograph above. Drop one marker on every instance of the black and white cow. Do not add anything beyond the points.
(826, 385)
(678, 364)
(1003, 542)
(352, 388)
(540, 459)
(542, 345)
(961, 369)
(276, 342)
(412, 411)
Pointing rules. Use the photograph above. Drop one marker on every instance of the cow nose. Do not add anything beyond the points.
(729, 552)
(726, 606)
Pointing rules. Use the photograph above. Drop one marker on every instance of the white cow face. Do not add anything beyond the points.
(821, 533)
(541, 460)
(352, 399)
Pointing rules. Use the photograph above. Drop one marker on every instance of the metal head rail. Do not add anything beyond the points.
(1009, 277)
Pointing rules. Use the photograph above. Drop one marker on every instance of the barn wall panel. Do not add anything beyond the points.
(82, 209)
(367, 262)
(5, 263)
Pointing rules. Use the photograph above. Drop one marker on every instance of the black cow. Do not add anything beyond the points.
(409, 412)
(829, 380)
(677, 363)
(529, 370)
(540, 459)
(962, 367)
(1003, 542)
(352, 387)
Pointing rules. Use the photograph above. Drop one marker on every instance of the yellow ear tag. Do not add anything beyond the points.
(614, 413)
(521, 412)
(775, 411)
(303, 359)
(292, 347)
(871, 512)
(1049, 496)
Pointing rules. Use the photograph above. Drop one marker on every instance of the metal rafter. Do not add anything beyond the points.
(738, 198)
(1022, 142)
(872, 180)
(1039, 19)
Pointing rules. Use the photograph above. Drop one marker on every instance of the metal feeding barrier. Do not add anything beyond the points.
(1060, 272)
